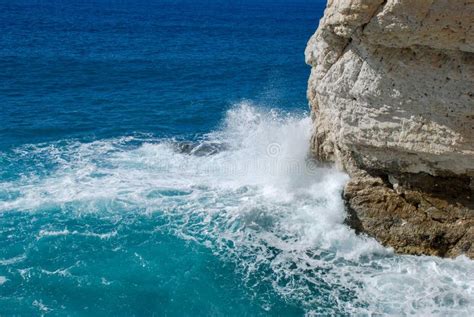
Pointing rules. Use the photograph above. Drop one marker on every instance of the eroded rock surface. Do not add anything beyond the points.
(392, 96)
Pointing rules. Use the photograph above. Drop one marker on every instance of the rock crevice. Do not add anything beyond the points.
(391, 92)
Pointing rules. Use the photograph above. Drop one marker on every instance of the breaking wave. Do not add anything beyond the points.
(249, 193)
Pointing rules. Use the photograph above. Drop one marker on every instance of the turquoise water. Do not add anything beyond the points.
(154, 161)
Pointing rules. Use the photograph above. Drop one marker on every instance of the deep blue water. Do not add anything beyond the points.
(154, 161)
(99, 69)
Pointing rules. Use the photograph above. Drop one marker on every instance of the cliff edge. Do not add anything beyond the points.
(392, 97)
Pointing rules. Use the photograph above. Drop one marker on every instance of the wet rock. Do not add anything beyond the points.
(410, 220)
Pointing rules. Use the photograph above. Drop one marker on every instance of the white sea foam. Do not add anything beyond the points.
(3, 280)
(41, 307)
(66, 232)
(13, 260)
(259, 203)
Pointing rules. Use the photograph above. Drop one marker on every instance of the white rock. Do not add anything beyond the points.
(392, 86)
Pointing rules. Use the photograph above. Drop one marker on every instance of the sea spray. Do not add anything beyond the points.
(259, 203)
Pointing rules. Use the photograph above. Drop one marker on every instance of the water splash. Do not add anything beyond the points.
(255, 199)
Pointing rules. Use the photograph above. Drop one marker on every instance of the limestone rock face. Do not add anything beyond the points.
(392, 97)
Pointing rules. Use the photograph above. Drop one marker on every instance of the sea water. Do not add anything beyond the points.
(154, 161)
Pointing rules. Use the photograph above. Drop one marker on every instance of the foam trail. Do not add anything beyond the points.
(256, 201)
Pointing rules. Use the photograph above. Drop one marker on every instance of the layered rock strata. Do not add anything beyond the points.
(392, 97)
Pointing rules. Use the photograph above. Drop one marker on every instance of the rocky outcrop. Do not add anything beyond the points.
(392, 97)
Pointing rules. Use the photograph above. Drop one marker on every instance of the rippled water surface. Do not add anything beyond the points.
(154, 161)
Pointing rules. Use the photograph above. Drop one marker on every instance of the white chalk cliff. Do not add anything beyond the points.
(392, 97)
